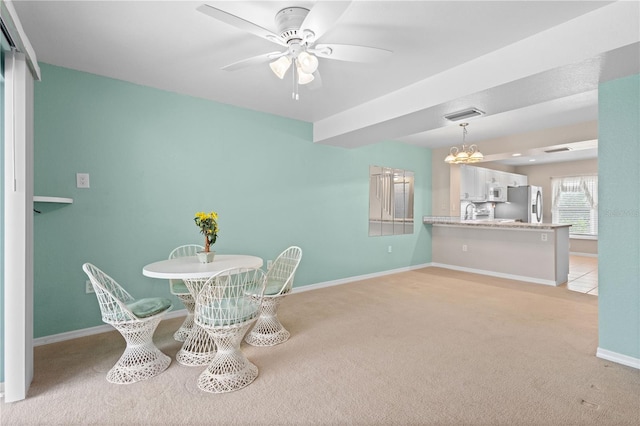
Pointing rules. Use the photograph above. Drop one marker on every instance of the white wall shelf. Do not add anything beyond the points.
(59, 200)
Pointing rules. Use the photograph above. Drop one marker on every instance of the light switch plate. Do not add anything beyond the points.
(82, 180)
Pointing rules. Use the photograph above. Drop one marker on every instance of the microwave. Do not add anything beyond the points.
(496, 193)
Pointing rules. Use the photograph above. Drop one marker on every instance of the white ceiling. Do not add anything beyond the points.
(528, 64)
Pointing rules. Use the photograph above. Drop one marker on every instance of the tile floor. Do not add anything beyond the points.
(583, 274)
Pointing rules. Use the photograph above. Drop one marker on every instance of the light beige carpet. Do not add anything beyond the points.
(424, 347)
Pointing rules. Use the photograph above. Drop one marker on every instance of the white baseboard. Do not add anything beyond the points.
(575, 253)
(357, 278)
(627, 360)
(496, 274)
(54, 338)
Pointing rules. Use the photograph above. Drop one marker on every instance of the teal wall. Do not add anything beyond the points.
(619, 216)
(155, 158)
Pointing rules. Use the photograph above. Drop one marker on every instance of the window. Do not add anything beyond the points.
(575, 201)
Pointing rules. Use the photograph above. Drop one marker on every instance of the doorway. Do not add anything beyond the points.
(583, 274)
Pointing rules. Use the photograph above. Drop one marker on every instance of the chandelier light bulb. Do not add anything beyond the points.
(476, 156)
(462, 156)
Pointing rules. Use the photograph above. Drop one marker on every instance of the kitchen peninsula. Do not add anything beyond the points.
(537, 253)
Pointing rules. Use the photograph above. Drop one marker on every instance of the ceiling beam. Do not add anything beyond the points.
(405, 111)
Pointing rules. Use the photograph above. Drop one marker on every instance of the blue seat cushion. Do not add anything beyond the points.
(149, 306)
(226, 312)
(179, 287)
(273, 287)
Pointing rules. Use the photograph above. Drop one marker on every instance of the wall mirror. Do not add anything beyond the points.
(390, 201)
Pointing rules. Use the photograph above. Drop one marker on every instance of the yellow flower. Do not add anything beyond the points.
(207, 222)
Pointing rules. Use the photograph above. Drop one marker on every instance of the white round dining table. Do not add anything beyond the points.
(198, 348)
(189, 267)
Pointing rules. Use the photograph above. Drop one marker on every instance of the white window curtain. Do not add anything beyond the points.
(575, 201)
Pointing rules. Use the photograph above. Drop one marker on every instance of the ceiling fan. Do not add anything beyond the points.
(298, 30)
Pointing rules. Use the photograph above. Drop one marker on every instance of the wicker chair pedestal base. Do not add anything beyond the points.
(185, 329)
(124, 373)
(268, 331)
(141, 358)
(220, 383)
(267, 334)
(198, 349)
(230, 369)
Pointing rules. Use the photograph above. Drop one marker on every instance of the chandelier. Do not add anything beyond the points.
(465, 155)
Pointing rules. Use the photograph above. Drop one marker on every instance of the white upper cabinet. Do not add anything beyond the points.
(474, 181)
(521, 180)
(480, 185)
(497, 177)
(467, 178)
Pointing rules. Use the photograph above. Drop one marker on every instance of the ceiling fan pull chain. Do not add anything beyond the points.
(293, 80)
(295, 95)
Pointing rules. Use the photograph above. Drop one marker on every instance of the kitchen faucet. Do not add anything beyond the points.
(466, 211)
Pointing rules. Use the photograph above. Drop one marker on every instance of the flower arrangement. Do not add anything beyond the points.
(208, 224)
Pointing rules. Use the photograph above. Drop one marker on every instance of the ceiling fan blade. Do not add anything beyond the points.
(265, 57)
(323, 16)
(240, 23)
(351, 53)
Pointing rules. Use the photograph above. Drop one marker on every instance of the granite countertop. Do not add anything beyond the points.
(488, 223)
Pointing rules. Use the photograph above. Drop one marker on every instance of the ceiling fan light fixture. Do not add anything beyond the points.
(280, 66)
(304, 78)
(308, 62)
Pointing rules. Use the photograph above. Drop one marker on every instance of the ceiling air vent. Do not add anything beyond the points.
(464, 114)
(563, 149)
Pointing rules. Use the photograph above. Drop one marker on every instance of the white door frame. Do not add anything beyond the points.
(18, 227)
(21, 69)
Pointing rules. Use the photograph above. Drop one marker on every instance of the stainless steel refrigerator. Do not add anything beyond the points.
(524, 204)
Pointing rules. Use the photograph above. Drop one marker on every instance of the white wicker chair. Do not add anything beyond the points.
(198, 348)
(226, 307)
(136, 320)
(268, 331)
(179, 289)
